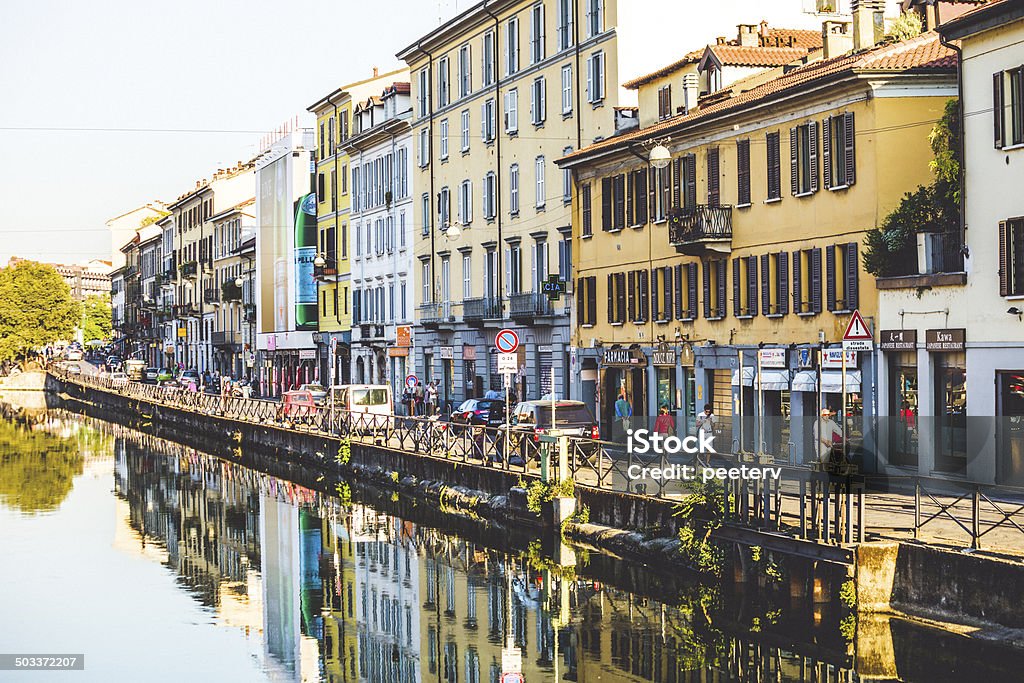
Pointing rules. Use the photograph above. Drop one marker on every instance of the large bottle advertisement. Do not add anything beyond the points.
(305, 254)
(275, 245)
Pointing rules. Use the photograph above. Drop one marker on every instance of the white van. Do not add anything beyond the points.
(368, 405)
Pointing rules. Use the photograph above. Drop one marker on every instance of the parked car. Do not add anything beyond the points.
(189, 376)
(113, 363)
(318, 391)
(119, 378)
(164, 375)
(73, 354)
(298, 405)
(134, 368)
(479, 412)
(149, 375)
(73, 368)
(367, 405)
(531, 419)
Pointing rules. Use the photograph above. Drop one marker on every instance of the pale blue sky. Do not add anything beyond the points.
(179, 68)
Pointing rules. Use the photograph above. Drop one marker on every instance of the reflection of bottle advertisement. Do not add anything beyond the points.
(305, 253)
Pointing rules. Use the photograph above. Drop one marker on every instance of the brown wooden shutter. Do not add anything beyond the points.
(793, 167)
(665, 185)
(816, 280)
(850, 148)
(713, 177)
(812, 146)
(797, 282)
(580, 309)
(631, 296)
(592, 300)
(737, 307)
(691, 281)
(826, 151)
(645, 295)
(852, 277)
(721, 271)
(620, 202)
(997, 109)
(620, 295)
(766, 292)
(588, 225)
(743, 171)
(677, 291)
(707, 289)
(677, 176)
(652, 198)
(752, 284)
(606, 204)
(611, 298)
(783, 282)
(641, 197)
(630, 192)
(830, 277)
(1004, 258)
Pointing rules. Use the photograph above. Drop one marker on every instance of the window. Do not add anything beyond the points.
(512, 111)
(714, 178)
(443, 82)
(1011, 257)
(775, 283)
(803, 159)
(513, 190)
(540, 192)
(536, 33)
(565, 259)
(465, 71)
(743, 172)
(423, 93)
(566, 89)
(465, 130)
(774, 166)
(744, 286)
(595, 77)
(660, 180)
(344, 240)
(665, 102)
(444, 208)
(487, 123)
(489, 198)
(323, 147)
(343, 126)
(595, 17)
(538, 101)
(636, 198)
(565, 24)
(637, 298)
(401, 229)
(320, 194)
(586, 209)
(467, 277)
(566, 180)
(355, 188)
(539, 267)
(1008, 107)
(425, 275)
(465, 202)
(837, 151)
(344, 179)
(807, 281)
(661, 294)
(613, 203)
(513, 269)
(684, 284)
(491, 273)
(714, 289)
(512, 46)
(617, 298)
(424, 151)
(488, 59)
(425, 213)
(841, 273)
(359, 239)
(444, 139)
(586, 301)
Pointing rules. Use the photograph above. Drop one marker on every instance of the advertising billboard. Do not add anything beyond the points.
(274, 211)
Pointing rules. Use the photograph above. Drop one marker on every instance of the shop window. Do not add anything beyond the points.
(951, 412)
(1010, 427)
(903, 411)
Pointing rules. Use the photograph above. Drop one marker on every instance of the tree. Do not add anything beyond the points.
(905, 27)
(36, 309)
(98, 323)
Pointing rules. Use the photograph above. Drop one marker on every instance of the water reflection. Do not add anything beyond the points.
(320, 588)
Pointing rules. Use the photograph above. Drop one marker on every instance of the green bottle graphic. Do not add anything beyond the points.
(305, 254)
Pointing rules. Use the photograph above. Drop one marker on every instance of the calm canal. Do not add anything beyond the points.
(162, 563)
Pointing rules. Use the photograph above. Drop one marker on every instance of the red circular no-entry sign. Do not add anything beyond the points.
(507, 341)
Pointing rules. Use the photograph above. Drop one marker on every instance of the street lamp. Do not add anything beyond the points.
(319, 261)
(239, 282)
(660, 157)
(452, 232)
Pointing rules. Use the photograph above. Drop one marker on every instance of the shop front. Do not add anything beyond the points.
(898, 428)
(623, 375)
(948, 360)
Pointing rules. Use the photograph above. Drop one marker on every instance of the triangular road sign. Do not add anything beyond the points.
(857, 330)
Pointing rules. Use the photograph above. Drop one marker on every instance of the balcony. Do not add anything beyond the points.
(530, 306)
(188, 270)
(940, 263)
(328, 272)
(370, 333)
(229, 292)
(186, 311)
(437, 316)
(168, 277)
(476, 311)
(700, 229)
(211, 295)
(228, 338)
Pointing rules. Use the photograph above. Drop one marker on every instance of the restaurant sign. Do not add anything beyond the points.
(945, 340)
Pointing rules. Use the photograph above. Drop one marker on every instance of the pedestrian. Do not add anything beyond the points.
(665, 422)
(828, 437)
(706, 423)
(418, 395)
(431, 398)
(623, 411)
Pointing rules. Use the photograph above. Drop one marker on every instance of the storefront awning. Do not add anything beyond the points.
(773, 380)
(832, 382)
(748, 377)
(804, 380)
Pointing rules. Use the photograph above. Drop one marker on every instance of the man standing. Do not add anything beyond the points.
(418, 395)
(431, 398)
(623, 411)
(827, 435)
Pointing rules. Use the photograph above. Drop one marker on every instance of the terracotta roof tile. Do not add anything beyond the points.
(924, 52)
(738, 55)
(779, 37)
(689, 58)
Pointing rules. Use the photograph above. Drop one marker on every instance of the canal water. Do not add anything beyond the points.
(162, 563)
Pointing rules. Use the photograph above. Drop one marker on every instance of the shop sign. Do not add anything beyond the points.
(898, 340)
(805, 356)
(398, 351)
(945, 340)
(624, 358)
(663, 358)
(468, 352)
(403, 335)
(772, 358)
(307, 354)
(447, 352)
(182, 332)
(832, 359)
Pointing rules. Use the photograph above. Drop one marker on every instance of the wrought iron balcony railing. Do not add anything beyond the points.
(487, 308)
(696, 227)
(529, 305)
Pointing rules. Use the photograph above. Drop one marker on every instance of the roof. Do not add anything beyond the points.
(923, 53)
(982, 18)
(739, 55)
(688, 58)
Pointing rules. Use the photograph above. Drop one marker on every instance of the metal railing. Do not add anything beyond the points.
(699, 222)
(487, 308)
(529, 304)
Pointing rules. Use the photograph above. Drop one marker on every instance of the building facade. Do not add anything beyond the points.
(231, 228)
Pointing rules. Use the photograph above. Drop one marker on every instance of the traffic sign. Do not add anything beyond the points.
(507, 363)
(512, 677)
(411, 381)
(507, 341)
(858, 335)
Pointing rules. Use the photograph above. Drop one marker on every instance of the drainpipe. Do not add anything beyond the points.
(432, 198)
(337, 230)
(497, 154)
(960, 143)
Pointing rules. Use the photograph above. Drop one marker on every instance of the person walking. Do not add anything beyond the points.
(665, 423)
(706, 424)
(623, 412)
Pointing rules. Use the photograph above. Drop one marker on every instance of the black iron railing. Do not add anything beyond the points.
(699, 223)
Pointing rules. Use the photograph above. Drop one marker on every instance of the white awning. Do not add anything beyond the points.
(748, 377)
(832, 381)
(773, 380)
(805, 380)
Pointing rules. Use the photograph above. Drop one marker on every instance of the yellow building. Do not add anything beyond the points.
(749, 237)
(334, 125)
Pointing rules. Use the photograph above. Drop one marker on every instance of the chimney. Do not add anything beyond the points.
(868, 23)
(375, 72)
(720, 40)
(764, 27)
(690, 92)
(748, 35)
(835, 38)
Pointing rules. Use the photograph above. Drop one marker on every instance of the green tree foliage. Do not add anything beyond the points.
(36, 308)
(98, 323)
(905, 27)
(37, 469)
(891, 248)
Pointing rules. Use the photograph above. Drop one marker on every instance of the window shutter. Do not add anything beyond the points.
(997, 109)
(743, 171)
(852, 275)
(668, 300)
(830, 277)
(580, 318)
(752, 284)
(737, 308)
(691, 281)
(630, 189)
(677, 166)
(812, 145)
(620, 202)
(850, 147)
(611, 297)
(707, 289)
(631, 297)
(641, 197)
(677, 289)
(691, 180)
(483, 122)
(720, 308)
(592, 301)
(797, 283)
(645, 295)
(793, 168)
(816, 280)
(620, 295)
(606, 204)
(783, 282)
(655, 299)
(826, 151)
(652, 198)
(766, 294)
(1004, 258)
(713, 177)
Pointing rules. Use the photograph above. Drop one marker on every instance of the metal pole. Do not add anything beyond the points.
(760, 407)
(845, 422)
(739, 395)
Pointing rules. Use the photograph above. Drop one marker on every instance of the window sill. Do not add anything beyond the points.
(513, 214)
(1014, 297)
(465, 152)
(716, 318)
(636, 227)
(842, 311)
(538, 125)
(597, 104)
(808, 314)
(744, 206)
(837, 188)
(803, 194)
(587, 237)
(613, 231)
(1010, 148)
(775, 316)
(745, 316)
(616, 324)
(587, 326)
(512, 133)
(540, 209)
(773, 200)
(661, 221)
(687, 320)
(662, 322)
(566, 115)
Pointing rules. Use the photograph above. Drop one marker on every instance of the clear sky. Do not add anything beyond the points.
(108, 104)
